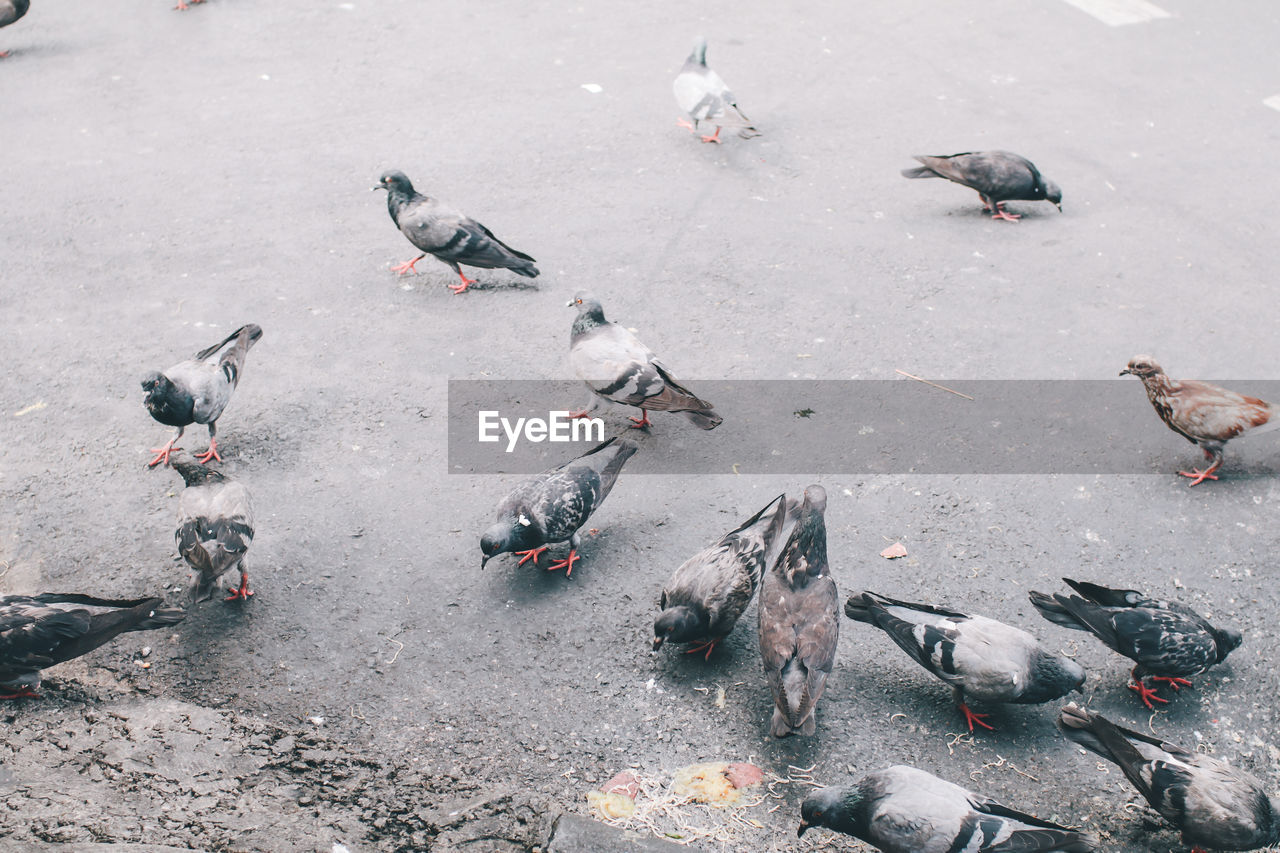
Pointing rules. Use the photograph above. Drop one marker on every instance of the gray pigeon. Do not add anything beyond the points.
(799, 620)
(617, 367)
(710, 590)
(998, 176)
(215, 528)
(448, 234)
(38, 631)
(904, 810)
(979, 657)
(551, 506)
(1214, 804)
(11, 11)
(1167, 640)
(704, 96)
(196, 391)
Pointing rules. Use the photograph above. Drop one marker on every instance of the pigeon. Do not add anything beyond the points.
(979, 657)
(11, 11)
(1167, 640)
(706, 595)
(617, 367)
(998, 176)
(198, 389)
(449, 234)
(38, 631)
(182, 4)
(553, 505)
(215, 528)
(704, 96)
(799, 620)
(906, 810)
(1214, 804)
(1203, 414)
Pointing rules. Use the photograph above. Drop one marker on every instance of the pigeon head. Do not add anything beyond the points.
(677, 624)
(1142, 366)
(1053, 193)
(155, 382)
(1227, 641)
(395, 181)
(509, 535)
(827, 807)
(193, 473)
(590, 313)
(699, 53)
(1052, 677)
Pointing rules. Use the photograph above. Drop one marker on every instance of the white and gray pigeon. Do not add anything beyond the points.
(1215, 805)
(448, 234)
(196, 391)
(704, 96)
(711, 590)
(906, 810)
(551, 506)
(1166, 640)
(215, 528)
(10, 12)
(799, 614)
(618, 368)
(997, 176)
(979, 657)
(39, 631)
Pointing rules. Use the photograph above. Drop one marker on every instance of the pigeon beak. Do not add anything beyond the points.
(375, 189)
(1059, 206)
(801, 828)
(569, 304)
(657, 643)
(1126, 372)
(484, 559)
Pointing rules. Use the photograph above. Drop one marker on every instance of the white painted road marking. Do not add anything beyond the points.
(1273, 102)
(1115, 13)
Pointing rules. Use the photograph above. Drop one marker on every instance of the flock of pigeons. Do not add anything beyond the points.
(780, 551)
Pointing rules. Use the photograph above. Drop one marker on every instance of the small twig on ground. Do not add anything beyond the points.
(934, 384)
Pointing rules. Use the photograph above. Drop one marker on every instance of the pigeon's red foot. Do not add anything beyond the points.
(25, 692)
(466, 282)
(581, 414)
(715, 137)
(1001, 213)
(162, 454)
(242, 591)
(1146, 694)
(641, 423)
(407, 266)
(1175, 683)
(1197, 476)
(566, 563)
(706, 645)
(211, 453)
(3, 54)
(970, 717)
(182, 5)
(531, 554)
(685, 123)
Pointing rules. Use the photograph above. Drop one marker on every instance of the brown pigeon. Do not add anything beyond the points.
(1203, 414)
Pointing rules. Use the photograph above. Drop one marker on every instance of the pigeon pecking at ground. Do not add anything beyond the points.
(1214, 804)
(215, 528)
(1203, 414)
(998, 176)
(799, 620)
(198, 389)
(552, 506)
(448, 234)
(1167, 640)
(710, 590)
(979, 657)
(620, 369)
(905, 810)
(704, 96)
(11, 11)
(38, 631)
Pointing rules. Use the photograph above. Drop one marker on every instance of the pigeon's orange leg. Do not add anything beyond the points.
(243, 591)
(686, 124)
(211, 453)
(641, 423)
(531, 554)
(581, 414)
(1145, 693)
(1199, 476)
(24, 693)
(708, 645)
(408, 266)
(566, 563)
(715, 137)
(1175, 683)
(182, 5)
(1001, 213)
(970, 717)
(162, 453)
(466, 282)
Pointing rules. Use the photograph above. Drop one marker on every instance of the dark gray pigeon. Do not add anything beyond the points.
(11, 11)
(618, 368)
(998, 176)
(1167, 640)
(979, 657)
(704, 96)
(448, 234)
(1214, 804)
(215, 528)
(196, 391)
(904, 810)
(38, 631)
(799, 620)
(552, 506)
(710, 590)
